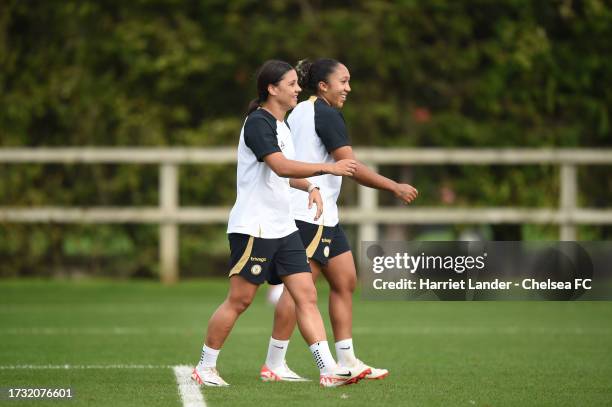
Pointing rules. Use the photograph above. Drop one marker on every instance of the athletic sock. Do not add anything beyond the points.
(345, 352)
(209, 357)
(276, 353)
(322, 356)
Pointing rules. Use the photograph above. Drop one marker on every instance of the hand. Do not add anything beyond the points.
(344, 168)
(405, 192)
(315, 197)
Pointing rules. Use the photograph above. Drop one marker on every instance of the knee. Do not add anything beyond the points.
(307, 297)
(239, 303)
(344, 287)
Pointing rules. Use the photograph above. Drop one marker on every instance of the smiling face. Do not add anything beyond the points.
(286, 91)
(336, 88)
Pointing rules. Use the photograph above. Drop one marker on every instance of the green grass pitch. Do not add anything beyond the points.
(438, 353)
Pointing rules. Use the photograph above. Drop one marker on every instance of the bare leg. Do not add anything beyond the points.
(284, 313)
(239, 297)
(342, 277)
(304, 294)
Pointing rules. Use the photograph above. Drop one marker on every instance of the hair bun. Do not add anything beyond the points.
(303, 71)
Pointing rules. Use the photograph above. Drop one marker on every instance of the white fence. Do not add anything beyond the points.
(367, 214)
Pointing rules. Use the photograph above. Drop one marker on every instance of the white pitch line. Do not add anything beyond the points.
(189, 391)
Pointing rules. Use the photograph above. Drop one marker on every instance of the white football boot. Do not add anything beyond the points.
(375, 373)
(280, 374)
(341, 376)
(208, 376)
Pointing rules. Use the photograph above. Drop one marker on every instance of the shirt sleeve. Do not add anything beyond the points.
(260, 137)
(331, 128)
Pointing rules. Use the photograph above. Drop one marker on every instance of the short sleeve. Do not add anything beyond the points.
(331, 128)
(260, 137)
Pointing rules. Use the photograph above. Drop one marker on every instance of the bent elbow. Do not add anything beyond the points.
(285, 174)
(282, 171)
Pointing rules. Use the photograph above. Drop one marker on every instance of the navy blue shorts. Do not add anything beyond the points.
(259, 260)
(323, 242)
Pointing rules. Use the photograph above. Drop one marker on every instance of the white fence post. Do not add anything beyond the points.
(568, 202)
(368, 203)
(168, 229)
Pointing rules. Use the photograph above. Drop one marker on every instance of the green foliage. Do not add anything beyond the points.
(180, 73)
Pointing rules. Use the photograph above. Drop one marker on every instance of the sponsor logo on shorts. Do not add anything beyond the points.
(326, 240)
(256, 269)
(259, 259)
(326, 251)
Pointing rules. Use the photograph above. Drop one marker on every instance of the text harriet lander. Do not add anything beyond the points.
(525, 284)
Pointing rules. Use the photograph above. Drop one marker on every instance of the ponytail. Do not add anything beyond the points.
(253, 105)
(303, 72)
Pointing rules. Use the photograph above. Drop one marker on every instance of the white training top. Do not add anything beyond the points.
(317, 130)
(263, 201)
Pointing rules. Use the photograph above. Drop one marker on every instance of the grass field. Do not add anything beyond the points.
(121, 340)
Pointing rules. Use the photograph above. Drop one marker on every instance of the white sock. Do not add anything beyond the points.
(322, 356)
(209, 357)
(345, 352)
(276, 353)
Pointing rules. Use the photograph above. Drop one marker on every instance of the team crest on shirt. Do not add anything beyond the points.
(326, 251)
(256, 269)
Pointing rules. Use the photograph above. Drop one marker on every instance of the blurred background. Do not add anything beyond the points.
(170, 73)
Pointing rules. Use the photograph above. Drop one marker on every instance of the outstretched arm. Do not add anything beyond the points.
(366, 177)
(283, 167)
(260, 137)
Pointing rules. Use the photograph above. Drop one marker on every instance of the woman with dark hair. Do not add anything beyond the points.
(264, 242)
(319, 134)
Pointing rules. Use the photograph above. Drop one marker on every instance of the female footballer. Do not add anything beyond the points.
(319, 135)
(264, 242)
